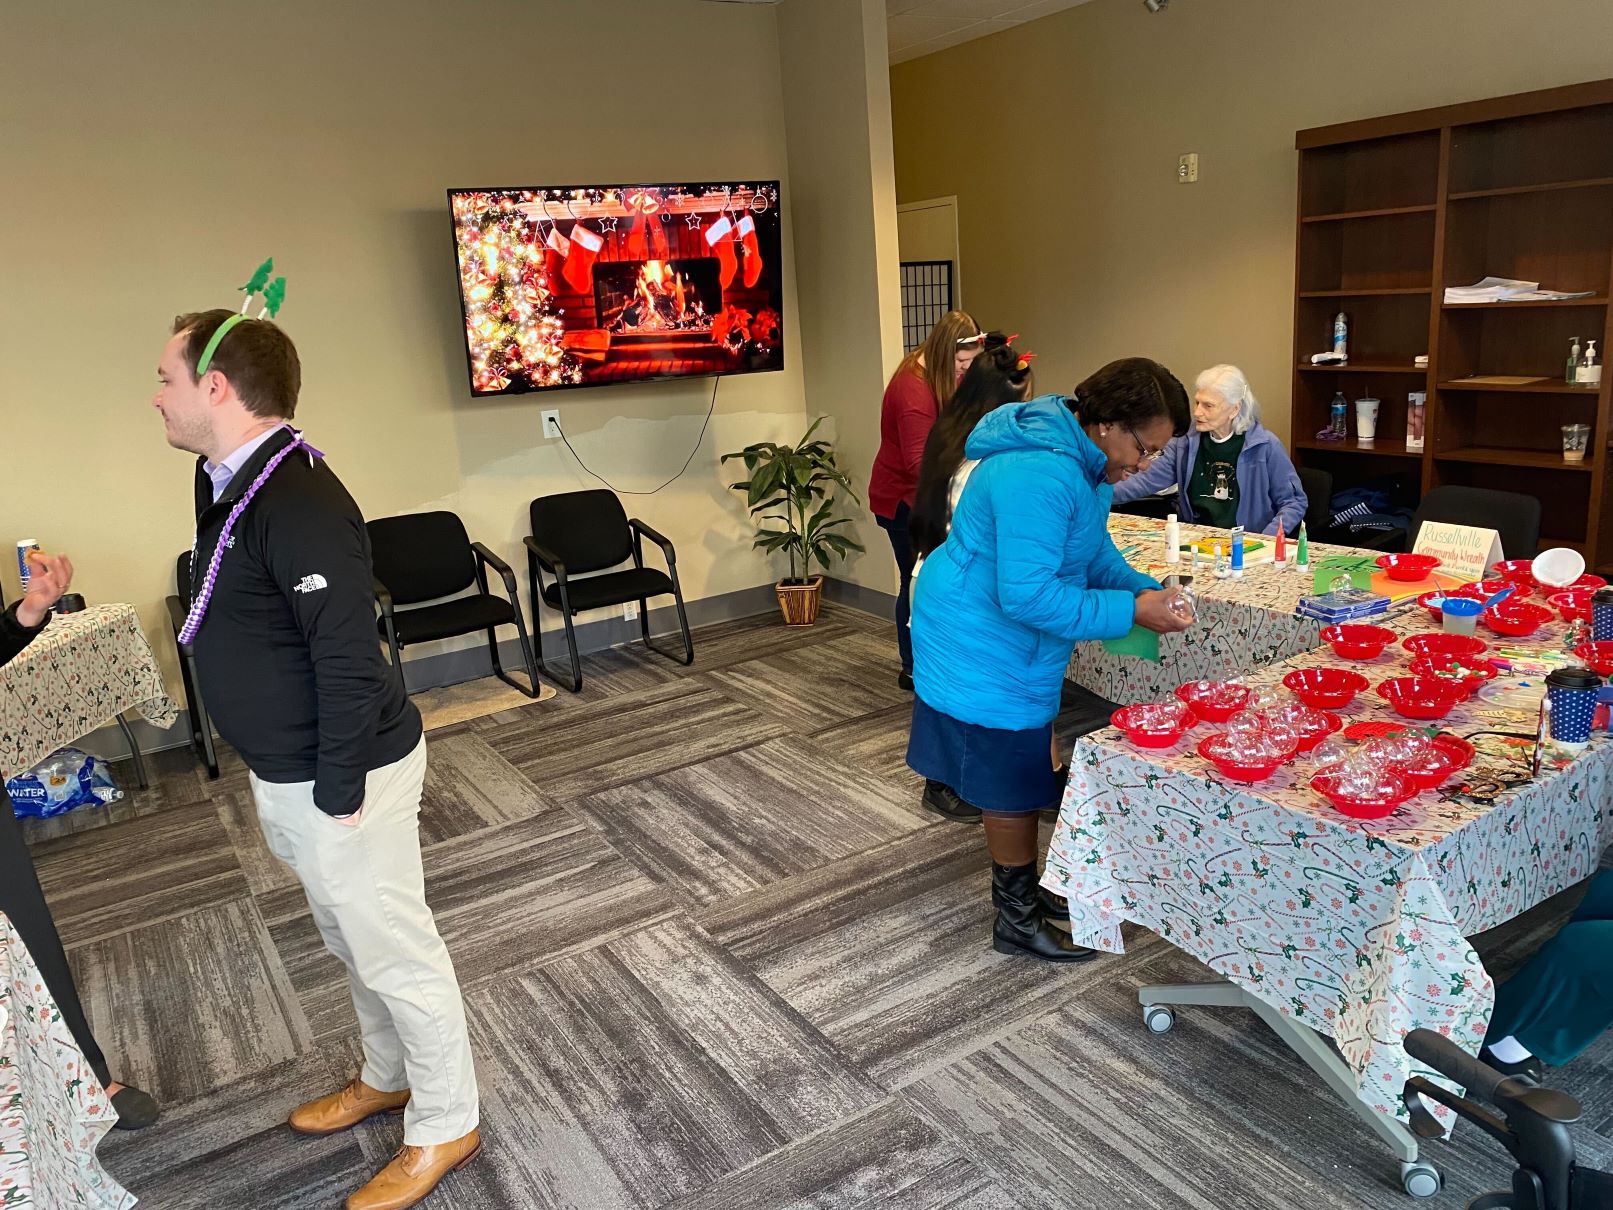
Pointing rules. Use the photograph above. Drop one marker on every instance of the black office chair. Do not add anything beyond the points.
(201, 728)
(1533, 1127)
(1318, 487)
(1514, 516)
(1158, 506)
(575, 534)
(422, 557)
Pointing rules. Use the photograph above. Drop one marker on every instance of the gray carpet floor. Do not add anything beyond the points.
(715, 956)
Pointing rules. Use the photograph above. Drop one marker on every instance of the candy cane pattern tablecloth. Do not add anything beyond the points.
(83, 671)
(53, 1111)
(1242, 625)
(1356, 928)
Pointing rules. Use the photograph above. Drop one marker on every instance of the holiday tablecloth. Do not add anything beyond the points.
(1355, 928)
(82, 672)
(1242, 624)
(53, 1111)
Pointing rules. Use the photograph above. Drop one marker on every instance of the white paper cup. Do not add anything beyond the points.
(1366, 419)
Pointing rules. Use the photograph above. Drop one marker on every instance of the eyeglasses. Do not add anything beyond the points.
(1144, 454)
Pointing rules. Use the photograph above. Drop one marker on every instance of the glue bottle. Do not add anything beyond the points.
(1173, 540)
(1221, 569)
(1303, 557)
(1279, 558)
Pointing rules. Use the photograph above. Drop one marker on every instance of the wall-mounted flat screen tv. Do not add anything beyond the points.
(576, 286)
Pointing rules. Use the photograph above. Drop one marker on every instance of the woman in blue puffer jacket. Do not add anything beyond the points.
(1026, 570)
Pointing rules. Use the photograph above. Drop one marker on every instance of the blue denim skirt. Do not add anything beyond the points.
(1009, 772)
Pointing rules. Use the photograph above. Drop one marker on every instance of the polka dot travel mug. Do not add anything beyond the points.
(1602, 615)
(1572, 692)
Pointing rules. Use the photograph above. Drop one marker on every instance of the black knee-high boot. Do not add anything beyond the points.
(1021, 927)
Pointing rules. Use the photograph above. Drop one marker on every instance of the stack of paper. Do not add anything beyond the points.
(1491, 289)
(1508, 289)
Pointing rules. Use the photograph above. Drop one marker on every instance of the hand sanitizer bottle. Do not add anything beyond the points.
(1590, 370)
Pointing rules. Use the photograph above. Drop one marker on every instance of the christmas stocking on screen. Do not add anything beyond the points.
(556, 248)
(585, 246)
(720, 239)
(746, 234)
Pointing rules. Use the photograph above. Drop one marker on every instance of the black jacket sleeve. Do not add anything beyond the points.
(319, 558)
(14, 636)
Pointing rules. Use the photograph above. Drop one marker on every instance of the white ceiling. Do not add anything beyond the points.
(922, 27)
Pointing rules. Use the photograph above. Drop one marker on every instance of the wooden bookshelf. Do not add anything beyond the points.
(1391, 210)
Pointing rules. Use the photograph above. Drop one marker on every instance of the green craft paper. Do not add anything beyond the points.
(1358, 569)
(1138, 642)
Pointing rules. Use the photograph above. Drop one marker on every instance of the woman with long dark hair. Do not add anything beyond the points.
(924, 381)
(1026, 570)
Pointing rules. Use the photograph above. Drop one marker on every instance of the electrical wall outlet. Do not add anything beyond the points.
(551, 423)
(630, 612)
(1187, 168)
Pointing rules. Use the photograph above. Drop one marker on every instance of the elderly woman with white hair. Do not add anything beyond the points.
(1228, 469)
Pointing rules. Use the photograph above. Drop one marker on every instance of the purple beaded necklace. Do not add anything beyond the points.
(204, 595)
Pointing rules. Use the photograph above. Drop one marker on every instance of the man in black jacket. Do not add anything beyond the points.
(291, 669)
(20, 896)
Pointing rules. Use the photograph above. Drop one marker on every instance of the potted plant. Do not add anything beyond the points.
(792, 485)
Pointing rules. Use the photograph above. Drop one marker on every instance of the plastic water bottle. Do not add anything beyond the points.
(1339, 416)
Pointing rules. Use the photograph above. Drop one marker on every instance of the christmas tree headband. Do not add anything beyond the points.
(274, 293)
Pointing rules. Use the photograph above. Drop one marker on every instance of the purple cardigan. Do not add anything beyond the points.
(1268, 484)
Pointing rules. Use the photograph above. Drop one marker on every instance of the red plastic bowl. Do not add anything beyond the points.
(1516, 571)
(1516, 621)
(1213, 701)
(1148, 737)
(1585, 581)
(1489, 588)
(1363, 808)
(1572, 603)
(1454, 754)
(1357, 642)
(1466, 672)
(1420, 697)
(1326, 688)
(1233, 770)
(1598, 656)
(1409, 568)
(1445, 644)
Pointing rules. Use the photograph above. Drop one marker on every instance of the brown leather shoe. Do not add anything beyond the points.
(414, 1172)
(345, 1109)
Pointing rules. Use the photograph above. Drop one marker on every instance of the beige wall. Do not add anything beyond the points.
(154, 153)
(1060, 138)
(843, 187)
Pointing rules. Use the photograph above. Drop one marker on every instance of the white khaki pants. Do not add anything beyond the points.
(368, 894)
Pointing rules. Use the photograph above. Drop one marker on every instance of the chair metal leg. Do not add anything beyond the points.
(687, 657)
(571, 647)
(198, 709)
(134, 751)
(526, 653)
(574, 684)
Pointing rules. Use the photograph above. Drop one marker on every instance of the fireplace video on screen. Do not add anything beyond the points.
(568, 286)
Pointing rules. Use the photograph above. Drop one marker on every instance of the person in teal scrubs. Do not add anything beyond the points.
(1562, 999)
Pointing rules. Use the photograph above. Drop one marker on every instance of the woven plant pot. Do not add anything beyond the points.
(799, 603)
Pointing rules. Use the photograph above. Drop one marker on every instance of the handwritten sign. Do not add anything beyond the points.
(1461, 550)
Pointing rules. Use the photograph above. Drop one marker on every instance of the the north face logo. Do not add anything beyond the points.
(311, 583)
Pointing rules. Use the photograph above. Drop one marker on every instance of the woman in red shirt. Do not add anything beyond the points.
(913, 398)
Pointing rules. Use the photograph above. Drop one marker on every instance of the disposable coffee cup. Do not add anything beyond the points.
(1573, 694)
(1460, 615)
(25, 547)
(1366, 419)
(1602, 615)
